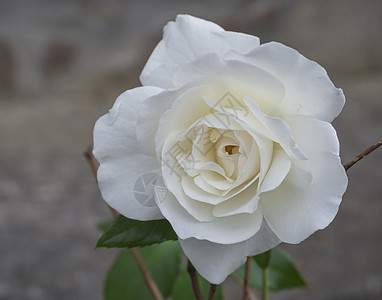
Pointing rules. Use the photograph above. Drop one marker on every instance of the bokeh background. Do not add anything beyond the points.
(63, 63)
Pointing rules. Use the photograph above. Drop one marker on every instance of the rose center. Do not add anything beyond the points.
(231, 149)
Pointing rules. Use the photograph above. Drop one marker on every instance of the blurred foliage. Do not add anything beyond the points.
(263, 259)
(282, 271)
(125, 281)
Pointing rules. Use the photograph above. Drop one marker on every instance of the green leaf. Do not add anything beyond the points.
(282, 271)
(263, 259)
(125, 281)
(183, 288)
(127, 233)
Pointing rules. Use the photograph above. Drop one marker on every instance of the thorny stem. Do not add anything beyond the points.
(246, 278)
(362, 155)
(212, 292)
(194, 280)
(145, 272)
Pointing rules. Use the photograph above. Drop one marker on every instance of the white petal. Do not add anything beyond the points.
(233, 79)
(114, 133)
(202, 147)
(279, 168)
(218, 120)
(181, 117)
(204, 67)
(309, 197)
(243, 116)
(216, 180)
(246, 201)
(246, 190)
(227, 230)
(238, 205)
(150, 112)
(242, 80)
(215, 261)
(212, 166)
(263, 146)
(234, 118)
(313, 136)
(201, 183)
(309, 91)
(241, 42)
(266, 153)
(185, 40)
(117, 179)
(121, 164)
(245, 141)
(277, 128)
(248, 80)
(251, 164)
(173, 174)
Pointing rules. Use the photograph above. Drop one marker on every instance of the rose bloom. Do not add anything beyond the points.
(240, 133)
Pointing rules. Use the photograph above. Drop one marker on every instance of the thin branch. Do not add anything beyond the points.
(91, 160)
(246, 278)
(194, 280)
(146, 275)
(362, 155)
(212, 291)
(145, 272)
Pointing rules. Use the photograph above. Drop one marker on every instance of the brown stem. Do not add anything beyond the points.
(194, 280)
(146, 275)
(145, 272)
(91, 160)
(212, 292)
(362, 155)
(246, 278)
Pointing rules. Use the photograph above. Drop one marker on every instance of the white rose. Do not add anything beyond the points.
(240, 133)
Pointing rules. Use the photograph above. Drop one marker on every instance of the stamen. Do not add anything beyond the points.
(231, 149)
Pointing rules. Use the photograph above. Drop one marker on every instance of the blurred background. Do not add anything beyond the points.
(62, 65)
